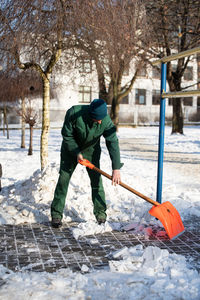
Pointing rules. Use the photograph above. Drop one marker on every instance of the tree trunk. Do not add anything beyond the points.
(177, 118)
(45, 122)
(103, 95)
(115, 105)
(102, 88)
(23, 124)
(3, 127)
(115, 112)
(30, 150)
(174, 81)
(5, 119)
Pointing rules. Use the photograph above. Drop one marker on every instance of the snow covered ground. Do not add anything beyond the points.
(140, 273)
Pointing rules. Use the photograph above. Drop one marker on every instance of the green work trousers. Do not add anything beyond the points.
(98, 195)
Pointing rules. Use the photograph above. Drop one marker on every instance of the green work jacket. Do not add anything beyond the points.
(82, 135)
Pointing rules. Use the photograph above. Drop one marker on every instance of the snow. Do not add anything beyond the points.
(138, 273)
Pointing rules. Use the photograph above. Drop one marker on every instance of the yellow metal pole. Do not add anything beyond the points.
(181, 94)
(177, 56)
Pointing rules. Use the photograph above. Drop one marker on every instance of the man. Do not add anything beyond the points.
(82, 129)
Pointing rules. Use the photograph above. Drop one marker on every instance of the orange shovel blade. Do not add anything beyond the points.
(169, 217)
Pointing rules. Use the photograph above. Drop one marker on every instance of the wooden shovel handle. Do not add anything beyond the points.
(91, 166)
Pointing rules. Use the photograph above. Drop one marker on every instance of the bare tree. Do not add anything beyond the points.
(16, 87)
(174, 26)
(7, 97)
(29, 116)
(113, 34)
(28, 85)
(32, 32)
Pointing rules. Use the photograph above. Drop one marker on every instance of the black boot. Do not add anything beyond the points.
(56, 223)
(101, 221)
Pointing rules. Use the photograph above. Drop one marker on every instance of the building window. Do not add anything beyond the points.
(140, 96)
(156, 73)
(85, 66)
(188, 101)
(188, 74)
(156, 97)
(85, 94)
(124, 100)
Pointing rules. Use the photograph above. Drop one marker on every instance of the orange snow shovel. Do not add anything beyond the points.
(165, 212)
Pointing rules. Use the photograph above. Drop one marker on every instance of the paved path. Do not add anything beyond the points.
(39, 247)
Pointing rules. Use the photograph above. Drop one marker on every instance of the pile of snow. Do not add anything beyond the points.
(137, 274)
(30, 200)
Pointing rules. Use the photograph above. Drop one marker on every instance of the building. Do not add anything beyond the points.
(141, 106)
(79, 85)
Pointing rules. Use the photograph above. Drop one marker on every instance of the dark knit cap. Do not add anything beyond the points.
(98, 109)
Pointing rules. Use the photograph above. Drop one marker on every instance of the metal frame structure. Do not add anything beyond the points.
(163, 96)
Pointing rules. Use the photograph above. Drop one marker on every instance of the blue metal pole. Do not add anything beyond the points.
(161, 133)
